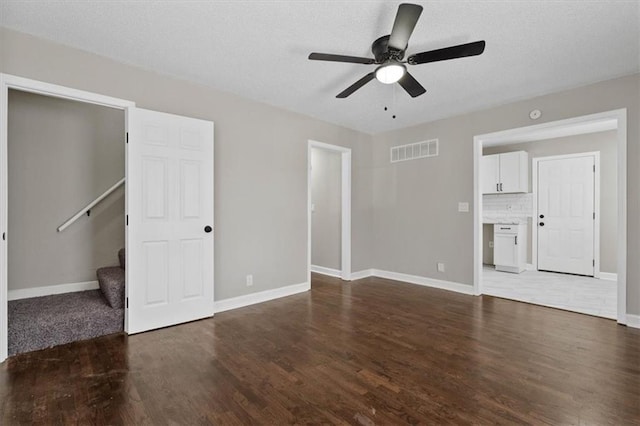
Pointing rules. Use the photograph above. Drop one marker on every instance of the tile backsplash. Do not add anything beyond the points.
(497, 207)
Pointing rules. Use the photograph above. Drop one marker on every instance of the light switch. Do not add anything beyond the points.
(463, 207)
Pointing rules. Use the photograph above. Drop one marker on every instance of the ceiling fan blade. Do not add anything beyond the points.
(406, 20)
(355, 86)
(453, 52)
(411, 85)
(340, 58)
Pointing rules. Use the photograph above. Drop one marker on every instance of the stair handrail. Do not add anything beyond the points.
(89, 206)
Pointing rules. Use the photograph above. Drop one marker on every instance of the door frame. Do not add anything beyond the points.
(8, 81)
(345, 207)
(596, 205)
(608, 120)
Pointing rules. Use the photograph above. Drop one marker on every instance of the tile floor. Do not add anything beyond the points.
(569, 292)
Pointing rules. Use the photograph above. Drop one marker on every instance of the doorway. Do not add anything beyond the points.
(613, 122)
(56, 269)
(171, 167)
(333, 170)
(8, 82)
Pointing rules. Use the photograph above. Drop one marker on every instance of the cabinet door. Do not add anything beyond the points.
(510, 172)
(489, 174)
(505, 251)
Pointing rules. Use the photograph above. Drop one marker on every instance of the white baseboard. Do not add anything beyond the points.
(609, 276)
(326, 271)
(365, 273)
(633, 321)
(26, 293)
(427, 282)
(262, 296)
(529, 267)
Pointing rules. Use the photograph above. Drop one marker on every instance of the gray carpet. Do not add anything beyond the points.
(42, 322)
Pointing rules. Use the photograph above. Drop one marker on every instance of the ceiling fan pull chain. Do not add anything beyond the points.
(394, 88)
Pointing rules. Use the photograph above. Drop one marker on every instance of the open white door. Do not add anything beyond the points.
(566, 215)
(169, 206)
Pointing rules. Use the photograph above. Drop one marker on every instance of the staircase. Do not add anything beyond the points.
(42, 322)
(111, 280)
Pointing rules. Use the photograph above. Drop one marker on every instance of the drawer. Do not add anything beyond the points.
(505, 229)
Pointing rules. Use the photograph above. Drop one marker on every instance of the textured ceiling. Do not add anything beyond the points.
(258, 49)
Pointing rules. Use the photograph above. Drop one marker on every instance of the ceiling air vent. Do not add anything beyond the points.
(414, 151)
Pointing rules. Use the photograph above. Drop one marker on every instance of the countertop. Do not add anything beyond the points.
(504, 220)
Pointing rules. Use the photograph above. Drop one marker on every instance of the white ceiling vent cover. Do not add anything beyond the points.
(414, 151)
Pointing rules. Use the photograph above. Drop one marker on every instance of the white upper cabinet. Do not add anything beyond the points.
(505, 173)
(490, 174)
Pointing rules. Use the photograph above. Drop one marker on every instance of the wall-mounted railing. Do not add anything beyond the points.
(89, 206)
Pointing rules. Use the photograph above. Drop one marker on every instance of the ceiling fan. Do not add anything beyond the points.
(389, 51)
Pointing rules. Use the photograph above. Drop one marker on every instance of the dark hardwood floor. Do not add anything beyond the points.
(371, 352)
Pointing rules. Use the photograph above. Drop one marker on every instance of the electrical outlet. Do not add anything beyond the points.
(440, 267)
(249, 280)
(490, 244)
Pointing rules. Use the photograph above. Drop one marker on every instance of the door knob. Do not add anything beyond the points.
(541, 223)
(208, 229)
(541, 216)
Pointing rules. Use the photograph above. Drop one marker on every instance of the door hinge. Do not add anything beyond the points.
(4, 236)
(127, 303)
(127, 137)
(594, 168)
(594, 215)
(594, 262)
(127, 220)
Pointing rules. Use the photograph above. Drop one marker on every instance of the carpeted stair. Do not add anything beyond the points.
(42, 322)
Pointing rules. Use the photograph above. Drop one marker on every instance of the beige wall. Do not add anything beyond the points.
(326, 196)
(415, 202)
(603, 142)
(62, 154)
(405, 215)
(260, 161)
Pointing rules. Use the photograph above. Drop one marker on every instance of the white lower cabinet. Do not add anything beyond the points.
(510, 247)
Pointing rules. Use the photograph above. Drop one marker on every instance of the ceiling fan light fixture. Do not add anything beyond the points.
(390, 73)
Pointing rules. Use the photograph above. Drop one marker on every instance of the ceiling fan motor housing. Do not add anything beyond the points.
(382, 52)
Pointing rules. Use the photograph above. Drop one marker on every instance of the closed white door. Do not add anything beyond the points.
(566, 215)
(169, 204)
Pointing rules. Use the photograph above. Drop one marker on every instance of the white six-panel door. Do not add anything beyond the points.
(565, 221)
(169, 203)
